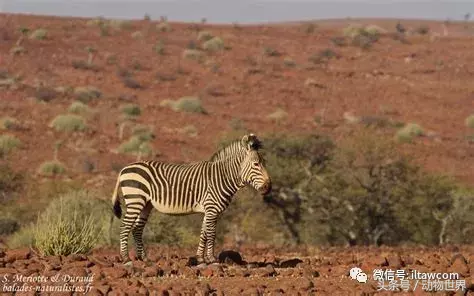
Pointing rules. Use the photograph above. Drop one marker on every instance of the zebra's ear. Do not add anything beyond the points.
(251, 142)
(245, 141)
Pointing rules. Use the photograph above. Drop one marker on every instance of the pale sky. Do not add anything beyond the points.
(245, 11)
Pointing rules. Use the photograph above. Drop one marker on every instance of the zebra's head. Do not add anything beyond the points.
(252, 168)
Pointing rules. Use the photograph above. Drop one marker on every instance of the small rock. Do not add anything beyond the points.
(459, 265)
(307, 284)
(75, 257)
(19, 254)
(75, 264)
(230, 257)
(114, 272)
(100, 262)
(269, 270)
(395, 261)
(290, 263)
(103, 289)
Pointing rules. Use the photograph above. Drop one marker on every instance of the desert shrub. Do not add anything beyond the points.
(422, 30)
(87, 93)
(51, 168)
(17, 50)
(204, 36)
(71, 224)
(214, 44)
(118, 24)
(193, 54)
(361, 36)
(189, 130)
(130, 82)
(39, 34)
(8, 225)
(84, 65)
(11, 182)
(163, 27)
(131, 109)
(159, 47)
(144, 132)
(323, 56)
(9, 123)
(188, 104)
(408, 132)
(137, 35)
(136, 145)
(68, 123)
(339, 41)
(359, 192)
(78, 107)
(469, 121)
(278, 115)
(289, 62)
(22, 238)
(271, 52)
(45, 94)
(8, 143)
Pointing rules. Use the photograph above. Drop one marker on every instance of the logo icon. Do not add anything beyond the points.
(357, 274)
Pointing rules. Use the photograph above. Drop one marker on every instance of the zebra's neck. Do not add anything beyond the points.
(229, 180)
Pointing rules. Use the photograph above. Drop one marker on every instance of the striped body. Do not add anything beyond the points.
(204, 187)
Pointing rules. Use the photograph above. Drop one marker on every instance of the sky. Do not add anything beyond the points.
(246, 11)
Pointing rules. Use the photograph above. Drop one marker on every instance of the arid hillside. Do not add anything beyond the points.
(316, 77)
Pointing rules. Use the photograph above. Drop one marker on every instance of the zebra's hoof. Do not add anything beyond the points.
(128, 264)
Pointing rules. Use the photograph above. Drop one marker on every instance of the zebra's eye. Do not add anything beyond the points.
(256, 164)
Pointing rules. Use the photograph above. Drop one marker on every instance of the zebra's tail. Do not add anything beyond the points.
(116, 201)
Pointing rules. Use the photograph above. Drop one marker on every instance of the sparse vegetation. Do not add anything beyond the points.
(51, 168)
(9, 123)
(422, 30)
(204, 36)
(185, 104)
(159, 47)
(163, 26)
(214, 44)
(323, 56)
(87, 93)
(45, 94)
(137, 35)
(193, 54)
(289, 62)
(278, 116)
(408, 132)
(136, 145)
(131, 109)
(39, 34)
(78, 107)
(68, 123)
(71, 224)
(8, 143)
(470, 121)
(271, 52)
(362, 37)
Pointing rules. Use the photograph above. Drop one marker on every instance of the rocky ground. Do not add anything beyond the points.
(261, 271)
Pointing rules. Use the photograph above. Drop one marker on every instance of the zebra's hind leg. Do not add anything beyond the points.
(137, 230)
(131, 215)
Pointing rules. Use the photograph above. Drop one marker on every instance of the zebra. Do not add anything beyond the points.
(180, 189)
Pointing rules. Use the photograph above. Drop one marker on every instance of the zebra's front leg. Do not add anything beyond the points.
(202, 243)
(211, 223)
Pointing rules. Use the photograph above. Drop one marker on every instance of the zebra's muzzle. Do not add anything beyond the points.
(265, 188)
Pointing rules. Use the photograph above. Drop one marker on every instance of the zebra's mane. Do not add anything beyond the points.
(228, 150)
(235, 148)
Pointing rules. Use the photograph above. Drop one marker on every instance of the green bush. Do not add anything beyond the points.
(186, 104)
(193, 54)
(87, 93)
(8, 143)
(78, 107)
(51, 168)
(469, 121)
(408, 132)
(131, 109)
(68, 123)
(137, 145)
(204, 36)
(39, 34)
(9, 123)
(214, 44)
(71, 224)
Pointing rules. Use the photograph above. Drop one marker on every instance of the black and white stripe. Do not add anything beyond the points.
(204, 187)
